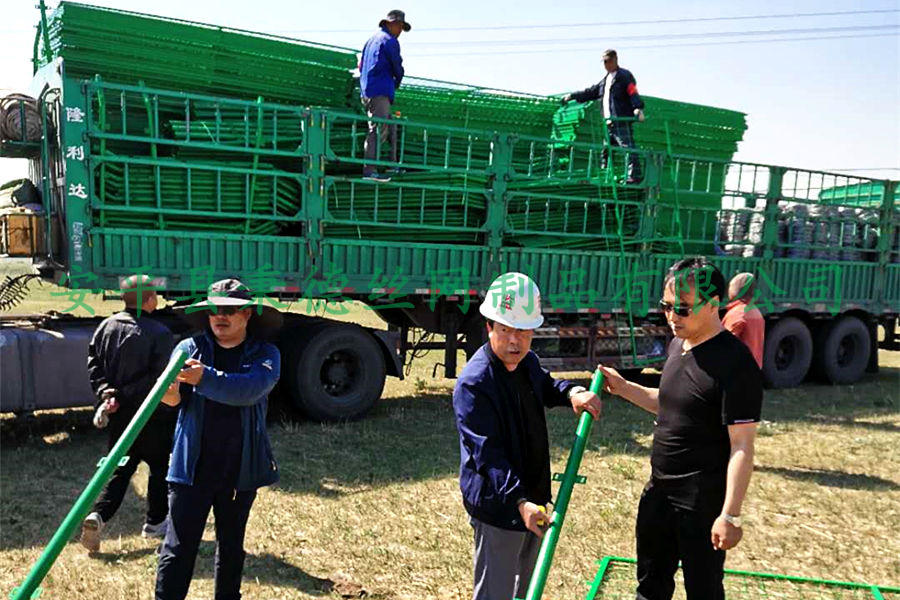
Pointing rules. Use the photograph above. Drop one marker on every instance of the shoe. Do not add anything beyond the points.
(633, 180)
(155, 531)
(90, 532)
(375, 176)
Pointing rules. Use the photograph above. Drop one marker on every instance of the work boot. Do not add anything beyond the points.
(155, 531)
(90, 532)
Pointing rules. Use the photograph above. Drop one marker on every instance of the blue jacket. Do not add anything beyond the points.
(381, 68)
(625, 98)
(492, 446)
(248, 389)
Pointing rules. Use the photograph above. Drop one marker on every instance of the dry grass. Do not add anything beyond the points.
(375, 504)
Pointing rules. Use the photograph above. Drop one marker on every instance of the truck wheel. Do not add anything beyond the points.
(843, 353)
(787, 354)
(334, 372)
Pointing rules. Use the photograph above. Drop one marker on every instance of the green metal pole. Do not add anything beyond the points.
(106, 467)
(551, 537)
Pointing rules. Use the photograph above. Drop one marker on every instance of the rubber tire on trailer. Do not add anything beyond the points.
(342, 356)
(842, 351)
(787, 353)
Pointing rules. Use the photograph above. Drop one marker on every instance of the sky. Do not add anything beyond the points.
(818, 79)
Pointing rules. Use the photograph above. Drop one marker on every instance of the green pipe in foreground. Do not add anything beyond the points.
(551, 536)
(80, 509)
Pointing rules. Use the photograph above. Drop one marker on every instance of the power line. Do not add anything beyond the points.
(669, 36)
(630, 47)
(617, 23)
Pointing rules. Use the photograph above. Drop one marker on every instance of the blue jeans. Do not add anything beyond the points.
(188, 509)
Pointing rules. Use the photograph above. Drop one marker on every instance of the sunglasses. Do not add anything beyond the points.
(678, 309)
(225, 310)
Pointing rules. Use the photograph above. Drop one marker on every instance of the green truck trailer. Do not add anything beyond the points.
(192, 153)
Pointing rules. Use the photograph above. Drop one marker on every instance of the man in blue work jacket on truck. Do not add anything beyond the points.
(380, 74)
(221, 454)
(504, 471)
(619, 98)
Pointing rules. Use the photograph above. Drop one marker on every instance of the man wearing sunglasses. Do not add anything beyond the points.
(221, 454)
(707, 407)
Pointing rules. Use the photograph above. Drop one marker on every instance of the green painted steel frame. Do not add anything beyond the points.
(876, 590)
(302, 263)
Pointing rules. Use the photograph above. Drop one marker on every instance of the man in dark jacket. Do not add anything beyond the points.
(618, 95)
(504, 472)
(221, 454)
(380, 74)
(127, 353)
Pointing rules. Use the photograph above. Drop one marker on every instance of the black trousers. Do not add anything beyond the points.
(620, 135)
(674, 523)
(188, 509)
(153, 446)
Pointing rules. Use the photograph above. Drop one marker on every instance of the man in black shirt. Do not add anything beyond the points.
(127, 353)
(707, 407)
(504, 473)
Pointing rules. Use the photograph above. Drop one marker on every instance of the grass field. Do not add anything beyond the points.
(373, 507)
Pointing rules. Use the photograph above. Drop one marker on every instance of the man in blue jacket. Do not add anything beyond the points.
(221, 454)
(619, 97)
(504, 471)
(380, 74)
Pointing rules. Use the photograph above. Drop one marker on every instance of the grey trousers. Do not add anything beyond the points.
(504, 561)
(379, 133)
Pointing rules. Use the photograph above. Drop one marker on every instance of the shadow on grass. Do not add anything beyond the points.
(274, 570)
(831, 478)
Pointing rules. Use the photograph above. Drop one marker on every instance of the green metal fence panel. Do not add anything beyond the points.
(128, 47)
(615, 580)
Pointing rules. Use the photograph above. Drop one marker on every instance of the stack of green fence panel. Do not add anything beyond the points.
(444, 200)
(475, 108)
(171, 54)
(236, 127)
(206, 190)
(683, 128)
(590, 218)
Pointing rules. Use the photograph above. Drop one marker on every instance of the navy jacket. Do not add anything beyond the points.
(249, 389)
(381, 68)
(491, 435)
(625, 98)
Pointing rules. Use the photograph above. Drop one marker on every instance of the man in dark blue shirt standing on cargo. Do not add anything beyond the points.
(380, 74)
(221, 454)
(504, 471)
(620, 100)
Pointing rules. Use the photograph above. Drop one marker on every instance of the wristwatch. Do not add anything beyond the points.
(733, 519)
(575, 389)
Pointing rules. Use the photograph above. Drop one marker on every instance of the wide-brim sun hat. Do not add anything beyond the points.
(393, 17)
(232, 293)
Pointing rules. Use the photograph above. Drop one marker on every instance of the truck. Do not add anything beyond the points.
(192, 152)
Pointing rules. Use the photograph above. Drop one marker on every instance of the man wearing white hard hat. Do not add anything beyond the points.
(504, 472)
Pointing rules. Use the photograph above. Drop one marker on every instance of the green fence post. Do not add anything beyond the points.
(551, 537)
(29, 588)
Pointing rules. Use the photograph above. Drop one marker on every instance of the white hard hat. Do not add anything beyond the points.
(513, 300)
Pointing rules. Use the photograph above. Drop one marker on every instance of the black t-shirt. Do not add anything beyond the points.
(701, 392)
(536, 475)
(221, 443)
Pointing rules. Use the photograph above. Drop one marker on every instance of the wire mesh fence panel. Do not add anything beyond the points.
(616, 580)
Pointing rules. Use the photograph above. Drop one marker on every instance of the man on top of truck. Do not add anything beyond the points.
(380, 74)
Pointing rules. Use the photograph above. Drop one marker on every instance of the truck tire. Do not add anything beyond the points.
(842, 350)
(334, 372)
(787, 354)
